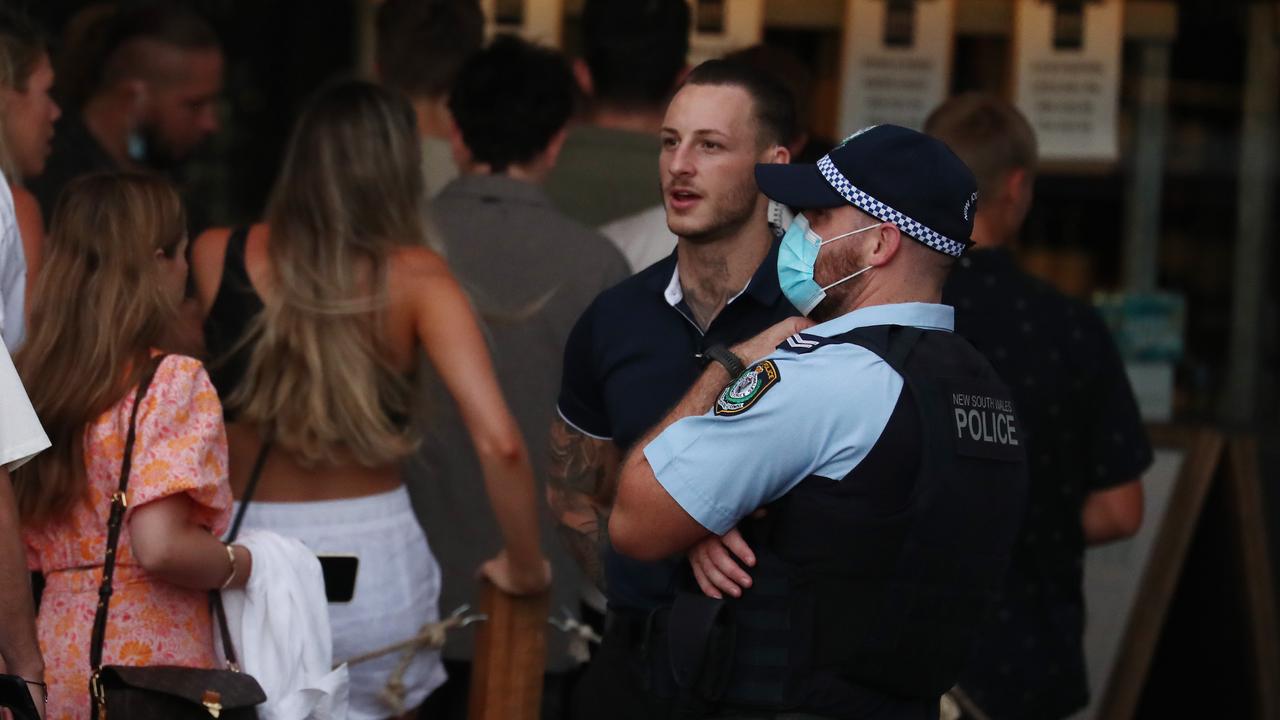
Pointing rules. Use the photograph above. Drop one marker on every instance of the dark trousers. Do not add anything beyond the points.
(449, 701)
(614, 684)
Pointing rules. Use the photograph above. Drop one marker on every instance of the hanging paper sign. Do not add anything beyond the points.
(538, 21)
(722, 26)
(1068, 75)
(897, 61)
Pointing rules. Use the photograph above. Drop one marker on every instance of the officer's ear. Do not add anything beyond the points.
(888, 239)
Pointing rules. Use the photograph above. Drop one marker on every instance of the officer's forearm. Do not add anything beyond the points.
(647, 524)
(697, 401)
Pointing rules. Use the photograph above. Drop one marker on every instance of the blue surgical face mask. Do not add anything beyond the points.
(796, 257)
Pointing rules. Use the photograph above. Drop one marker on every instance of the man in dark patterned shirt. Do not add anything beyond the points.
(1086, 445)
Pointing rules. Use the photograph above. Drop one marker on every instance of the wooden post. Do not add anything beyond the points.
(510, 656)
(1244, 488)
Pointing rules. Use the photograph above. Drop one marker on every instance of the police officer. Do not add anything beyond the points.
(883, 449)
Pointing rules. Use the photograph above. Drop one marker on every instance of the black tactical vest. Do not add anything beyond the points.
(868, 590)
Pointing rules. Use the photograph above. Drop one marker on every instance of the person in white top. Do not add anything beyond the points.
(21, 438)
(13, 273)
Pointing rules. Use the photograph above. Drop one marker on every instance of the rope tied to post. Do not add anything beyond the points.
(580, 635)
(431, 636)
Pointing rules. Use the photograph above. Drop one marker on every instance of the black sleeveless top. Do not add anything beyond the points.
(234, 308)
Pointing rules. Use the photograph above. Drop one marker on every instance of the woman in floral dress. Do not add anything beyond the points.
(113, 278)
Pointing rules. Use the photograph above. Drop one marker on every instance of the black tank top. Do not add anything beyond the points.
(234, 308)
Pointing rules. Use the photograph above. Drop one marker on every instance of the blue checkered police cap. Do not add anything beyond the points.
(892, 173)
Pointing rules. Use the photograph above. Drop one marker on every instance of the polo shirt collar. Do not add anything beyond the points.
(763, 285)
(928, 316)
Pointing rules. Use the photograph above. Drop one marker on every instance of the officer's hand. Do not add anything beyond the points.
(766, 342)
(715, 570)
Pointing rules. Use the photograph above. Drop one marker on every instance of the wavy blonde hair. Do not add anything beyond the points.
(350, 192)
(99, 307)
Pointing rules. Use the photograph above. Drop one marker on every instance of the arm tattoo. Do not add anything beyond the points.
(581, 483)
(586, 544)
(583, 464)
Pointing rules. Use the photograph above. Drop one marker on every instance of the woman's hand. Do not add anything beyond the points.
(517, 580)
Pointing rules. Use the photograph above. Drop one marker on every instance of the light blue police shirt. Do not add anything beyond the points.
(816, 413)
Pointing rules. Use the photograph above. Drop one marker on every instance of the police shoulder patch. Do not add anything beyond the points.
(747, 390)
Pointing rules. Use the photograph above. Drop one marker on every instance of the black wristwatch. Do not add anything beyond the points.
(725, 357)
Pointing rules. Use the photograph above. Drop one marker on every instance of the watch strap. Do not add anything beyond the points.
(725, 357)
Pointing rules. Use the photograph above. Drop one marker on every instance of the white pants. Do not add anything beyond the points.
(397, 587)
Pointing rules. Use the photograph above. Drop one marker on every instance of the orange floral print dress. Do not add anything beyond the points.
(181, 447)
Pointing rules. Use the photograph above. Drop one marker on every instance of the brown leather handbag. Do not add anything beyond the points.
(156, 692)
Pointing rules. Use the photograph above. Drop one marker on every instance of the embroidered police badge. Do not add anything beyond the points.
(750, 386)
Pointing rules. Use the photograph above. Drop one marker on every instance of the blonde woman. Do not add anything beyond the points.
(113, 276)
(315, 320)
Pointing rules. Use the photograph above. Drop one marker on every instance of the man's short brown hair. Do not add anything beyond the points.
(989, 134)
(422, 44)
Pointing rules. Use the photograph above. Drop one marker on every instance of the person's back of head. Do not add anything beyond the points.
(634, 50)
(349, 192)
(511, 103)
(422, 44)
(998, 144)
(106, 293)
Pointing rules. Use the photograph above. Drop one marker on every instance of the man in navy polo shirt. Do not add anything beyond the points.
(642, 343)
(1086, 444)
(882, 447)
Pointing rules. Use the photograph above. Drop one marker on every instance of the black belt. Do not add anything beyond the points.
(634, 628)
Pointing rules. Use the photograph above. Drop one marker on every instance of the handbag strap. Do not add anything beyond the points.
(250, 488)
(119, 502)
(215, 596)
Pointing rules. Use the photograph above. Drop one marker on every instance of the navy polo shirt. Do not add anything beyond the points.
(1083, 433)
(630, 358)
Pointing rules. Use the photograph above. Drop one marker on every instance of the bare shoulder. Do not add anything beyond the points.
(419, 270)
(208, 251)
(411, 261)
(210, 244)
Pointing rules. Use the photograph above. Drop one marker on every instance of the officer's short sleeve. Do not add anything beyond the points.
(786, 418)
(581, 400)
(1119, 448)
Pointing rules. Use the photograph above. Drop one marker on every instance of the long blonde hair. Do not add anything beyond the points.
(99, 306)
(350, 192)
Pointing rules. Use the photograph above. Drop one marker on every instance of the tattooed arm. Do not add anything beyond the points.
(580, 487)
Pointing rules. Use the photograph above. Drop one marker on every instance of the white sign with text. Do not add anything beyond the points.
(897, 61)
(1067, 75)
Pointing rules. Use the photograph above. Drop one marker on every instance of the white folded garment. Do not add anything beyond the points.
(280, 626)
